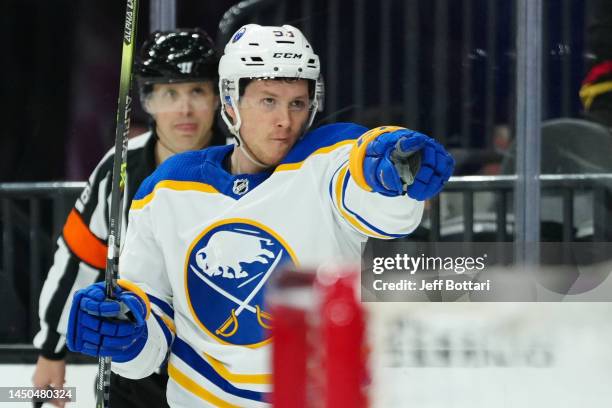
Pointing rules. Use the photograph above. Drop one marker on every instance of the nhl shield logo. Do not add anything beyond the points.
(227, 268)
(241, 186)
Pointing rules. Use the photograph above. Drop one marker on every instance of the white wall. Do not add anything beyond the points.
(80, 376)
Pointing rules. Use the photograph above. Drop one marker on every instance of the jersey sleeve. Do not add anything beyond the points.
(368, 213)
(141, 262)
(79, 260)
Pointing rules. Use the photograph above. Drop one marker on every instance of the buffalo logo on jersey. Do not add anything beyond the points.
(227, 268)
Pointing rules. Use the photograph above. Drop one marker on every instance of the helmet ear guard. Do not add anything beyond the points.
(320, 93)
(229, 95)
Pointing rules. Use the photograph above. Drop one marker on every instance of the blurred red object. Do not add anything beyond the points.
(319, 350)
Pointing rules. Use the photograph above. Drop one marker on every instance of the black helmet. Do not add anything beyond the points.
(181, 55)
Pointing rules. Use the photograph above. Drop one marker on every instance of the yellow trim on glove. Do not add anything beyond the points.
(132, 287)
(358, 152)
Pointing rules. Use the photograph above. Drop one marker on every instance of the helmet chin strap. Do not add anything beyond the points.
(242, 146)
(236, 164)
(235, 130)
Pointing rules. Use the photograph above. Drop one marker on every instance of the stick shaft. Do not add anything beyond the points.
(119, 178)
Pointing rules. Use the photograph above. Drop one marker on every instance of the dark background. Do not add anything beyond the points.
(60, 68)
(61, 59)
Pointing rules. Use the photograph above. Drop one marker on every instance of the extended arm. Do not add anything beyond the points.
(379, 191)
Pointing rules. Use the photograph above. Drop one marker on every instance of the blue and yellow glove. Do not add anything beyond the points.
(108, 327)
(393, 161)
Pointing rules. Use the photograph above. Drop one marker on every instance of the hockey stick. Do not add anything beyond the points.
(119, 178)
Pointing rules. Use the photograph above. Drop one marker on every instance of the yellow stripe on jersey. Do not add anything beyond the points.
(132, 287)
(184, 381)
(222, 370)
(168, 322)
(173, 185)
(358, 153)
(345, 214)
(322, 150)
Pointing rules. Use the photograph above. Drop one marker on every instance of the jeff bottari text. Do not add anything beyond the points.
(438, 284)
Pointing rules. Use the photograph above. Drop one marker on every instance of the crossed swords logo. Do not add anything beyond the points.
(230, 326)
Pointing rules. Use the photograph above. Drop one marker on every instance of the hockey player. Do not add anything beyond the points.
(209, 228)
(177, 77)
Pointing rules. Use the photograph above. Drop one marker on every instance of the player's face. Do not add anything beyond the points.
(273, 114)
(184, 114)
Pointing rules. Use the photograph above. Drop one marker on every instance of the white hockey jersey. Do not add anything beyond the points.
(202, 243)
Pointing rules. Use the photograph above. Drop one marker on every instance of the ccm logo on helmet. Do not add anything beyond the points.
(286, 55)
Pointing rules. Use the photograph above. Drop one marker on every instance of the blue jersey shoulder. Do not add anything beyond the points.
(182, 167)
(323, 136)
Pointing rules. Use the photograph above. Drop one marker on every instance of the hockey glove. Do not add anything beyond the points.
(402, 161)
(115, 328)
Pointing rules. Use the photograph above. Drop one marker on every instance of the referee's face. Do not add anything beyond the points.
(184, 114)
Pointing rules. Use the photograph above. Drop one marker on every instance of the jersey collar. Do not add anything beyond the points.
(231, 185)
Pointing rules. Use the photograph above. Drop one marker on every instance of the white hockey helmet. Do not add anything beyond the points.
(266, 52)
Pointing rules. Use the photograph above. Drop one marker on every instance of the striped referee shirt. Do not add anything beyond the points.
(80, 258)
